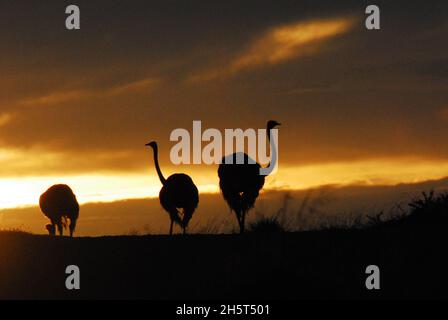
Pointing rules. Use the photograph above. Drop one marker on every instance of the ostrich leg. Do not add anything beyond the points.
(72, 227)
(60, 229)
(239, 217)
(243, 221)
(51, 229)
(171, 228)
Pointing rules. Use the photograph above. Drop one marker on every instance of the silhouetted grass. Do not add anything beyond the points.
(13, 230)
(428, 209)
(407, 244)
(266, 225)
(430, 206)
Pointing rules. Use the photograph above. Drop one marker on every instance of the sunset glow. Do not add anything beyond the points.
(25, 191)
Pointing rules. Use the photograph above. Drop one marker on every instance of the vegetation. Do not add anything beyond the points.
(430, 207)
(266, 225)
(409, 248)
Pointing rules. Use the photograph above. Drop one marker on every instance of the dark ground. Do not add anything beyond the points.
(318, 264)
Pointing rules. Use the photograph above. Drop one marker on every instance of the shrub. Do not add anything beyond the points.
(430, 208)
(266, 225)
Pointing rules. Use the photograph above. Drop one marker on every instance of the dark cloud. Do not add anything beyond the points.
(365, 94)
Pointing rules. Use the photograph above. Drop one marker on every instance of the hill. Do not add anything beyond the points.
(266, 263)
(313, 264)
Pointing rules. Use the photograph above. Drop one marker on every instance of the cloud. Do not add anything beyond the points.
(141, 86)
(39, 161)
(5, 118)
(443, 113)
(83, 108)
(136, 87)
(281, 44)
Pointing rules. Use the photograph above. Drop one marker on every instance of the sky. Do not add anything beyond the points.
(357, 106)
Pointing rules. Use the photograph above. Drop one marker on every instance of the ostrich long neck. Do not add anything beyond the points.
(273, 151)
(156, 162)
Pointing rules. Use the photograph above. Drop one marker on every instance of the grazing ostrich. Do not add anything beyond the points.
(59, 203)
(240, 184)
(179, 195)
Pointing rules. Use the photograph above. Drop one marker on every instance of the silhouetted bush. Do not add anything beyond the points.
(376, 219)
(430, 204)
(14, 230)
(266, 225)
(430, 208)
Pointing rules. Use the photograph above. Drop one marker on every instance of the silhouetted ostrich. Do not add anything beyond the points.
(178, 193)
(59, 203)
(240, 184)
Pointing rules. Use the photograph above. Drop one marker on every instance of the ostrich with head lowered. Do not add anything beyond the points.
(59, 204)
(179, 195)
(240, 184)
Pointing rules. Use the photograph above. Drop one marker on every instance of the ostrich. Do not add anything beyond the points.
(59, 203)
(240, 184)
(179, 195)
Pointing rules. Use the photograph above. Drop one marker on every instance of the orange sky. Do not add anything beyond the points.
(357, 107)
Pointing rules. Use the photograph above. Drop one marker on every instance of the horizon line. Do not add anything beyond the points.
(359, 184)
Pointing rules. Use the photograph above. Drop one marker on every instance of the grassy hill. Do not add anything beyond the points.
(269, 263)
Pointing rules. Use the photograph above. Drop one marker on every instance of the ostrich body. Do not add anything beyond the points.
(240, 184)
(59, 203)
(179, 195)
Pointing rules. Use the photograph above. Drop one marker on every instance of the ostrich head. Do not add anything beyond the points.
(272, 124)
(152, 144)
(51, 229)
